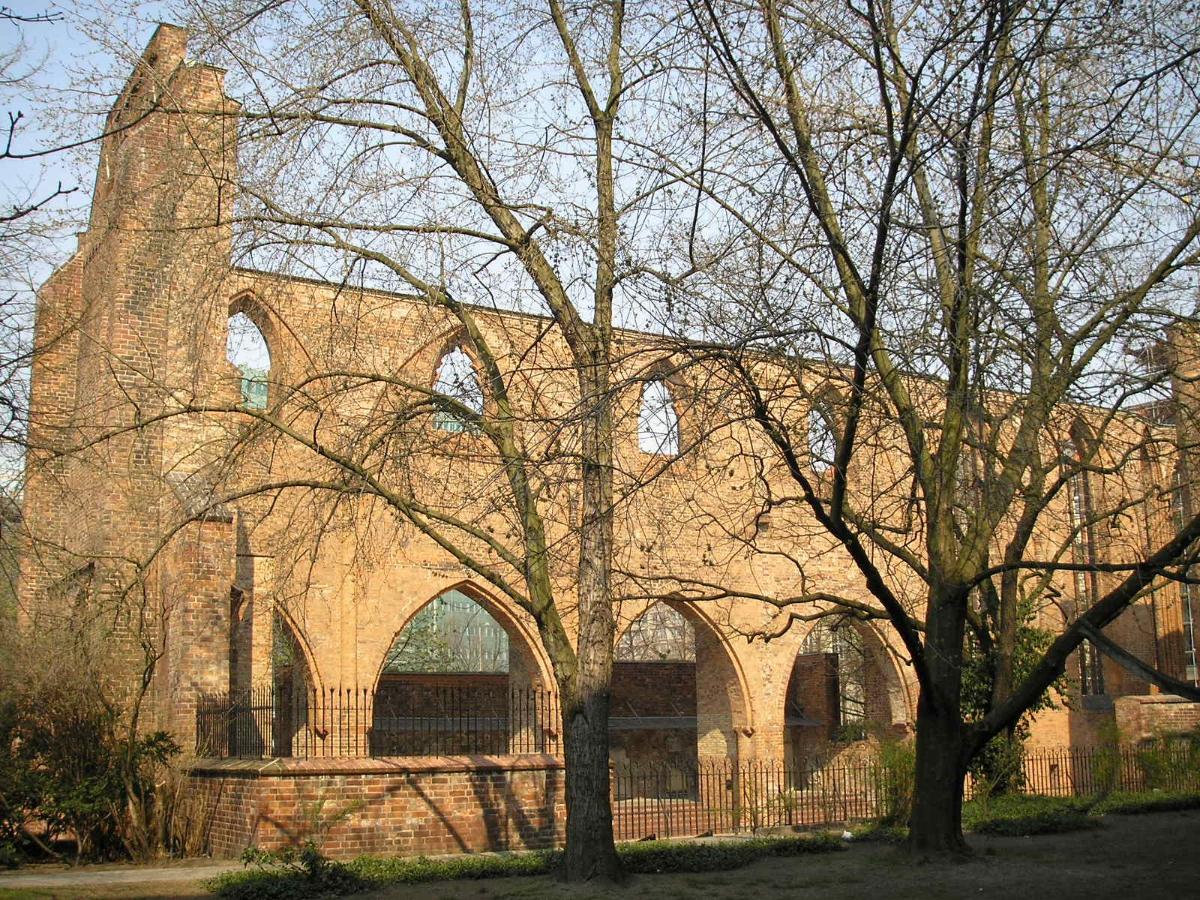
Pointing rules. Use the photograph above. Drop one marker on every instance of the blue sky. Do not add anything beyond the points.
(59, 77)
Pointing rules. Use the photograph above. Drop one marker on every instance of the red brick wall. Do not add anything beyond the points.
(350, 807)
(654, 689)
(1144, 717)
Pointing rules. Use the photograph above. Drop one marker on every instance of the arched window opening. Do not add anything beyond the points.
(660, 634)
(676, 701)
(841, 647)
(247, 349)
(837, 693)
(290, 685)
(1085, 583)
(456, 379)
(447, 687)
(658, 422)
(452, 635)
(822, 446)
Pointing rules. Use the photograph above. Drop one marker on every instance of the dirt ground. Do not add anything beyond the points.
(1129, 858)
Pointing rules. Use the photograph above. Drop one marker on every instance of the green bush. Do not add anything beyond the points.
(896, 781)
(1019, 815)
(71, 765)
(1171, 763)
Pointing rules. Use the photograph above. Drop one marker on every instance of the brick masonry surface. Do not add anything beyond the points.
(408, 807)
(136, 321)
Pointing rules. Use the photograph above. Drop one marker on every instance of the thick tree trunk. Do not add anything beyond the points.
(936, 825)
(590, 851)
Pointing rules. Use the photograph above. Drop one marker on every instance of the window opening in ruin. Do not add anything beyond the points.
(842, 646)
(247, 349)
(660, 634)
(654, 708)
(822, 447)
(451, 635)
(1083, 552)
(658, 422)
(445, 687)
(456, 379)
(290, 687)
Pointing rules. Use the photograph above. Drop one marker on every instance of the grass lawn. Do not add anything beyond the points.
(1128, 857)
(1119, 856)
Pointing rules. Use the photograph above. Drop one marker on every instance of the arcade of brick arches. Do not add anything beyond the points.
(370, 674)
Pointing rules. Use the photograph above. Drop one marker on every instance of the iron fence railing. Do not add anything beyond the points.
(267, 723)
(724, 797)
(714, 797)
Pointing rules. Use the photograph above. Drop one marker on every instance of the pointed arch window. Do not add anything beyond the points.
(844, 646)
(456, 379)
(822, 446)
(660, 634)
(1083, 552)
(658, 422)
(247, 349)
(450, 635)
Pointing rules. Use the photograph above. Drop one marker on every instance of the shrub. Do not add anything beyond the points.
(1170, 763)
(895, 777)
(72, 763)
(1019, 815)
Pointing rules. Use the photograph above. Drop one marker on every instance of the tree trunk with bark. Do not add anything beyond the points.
(936, 825)
(590, 853)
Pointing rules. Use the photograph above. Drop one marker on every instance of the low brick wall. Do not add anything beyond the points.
(1142, 717)
(392, 806)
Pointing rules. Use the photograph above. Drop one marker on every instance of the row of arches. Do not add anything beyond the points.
(678, 695)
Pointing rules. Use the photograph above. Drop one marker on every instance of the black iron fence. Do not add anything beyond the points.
(725, 797)
(718, 797)
(267, 723)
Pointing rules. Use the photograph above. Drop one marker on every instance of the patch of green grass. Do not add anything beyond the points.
(1025, 814)
(877, 832)
(1020, 814)
(652, 857)
(1123, 803)
(270, 881)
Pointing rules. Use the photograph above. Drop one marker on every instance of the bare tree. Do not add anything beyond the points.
(962, 226)
(473, 158)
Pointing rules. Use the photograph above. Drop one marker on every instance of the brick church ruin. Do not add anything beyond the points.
(315, 650)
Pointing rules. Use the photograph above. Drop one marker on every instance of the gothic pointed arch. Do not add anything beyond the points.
(658, 419)
(456, 379)
(248, 338)
(678, 694)
(462, 675)
(821, 427)
(843, 687)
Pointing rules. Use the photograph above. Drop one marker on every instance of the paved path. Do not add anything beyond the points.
(97, 876)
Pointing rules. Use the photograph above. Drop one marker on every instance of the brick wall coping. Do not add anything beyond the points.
(1154, 698)
(408, 765)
